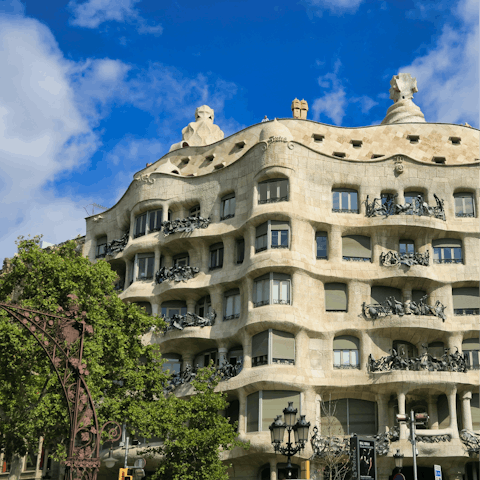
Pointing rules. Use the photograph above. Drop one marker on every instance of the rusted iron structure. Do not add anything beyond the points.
(62, 338)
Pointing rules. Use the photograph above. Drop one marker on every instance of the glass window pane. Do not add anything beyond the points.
(236, 308)
(252, 412)
(362, 419)
(150, 266)
(447, 253)
(437, 253)
(336, 200)
(229, 310)
(345, 357)
(266, 291)
(468, 204)
(275, 237)
(262, 189)
(345, 204)
(336, 357)
(353, 201)
(283, 188)
(459, 205)
(276, 291)
(284, 240)
(354, 357)
(285, 292)
(457, 253)
(321, 246)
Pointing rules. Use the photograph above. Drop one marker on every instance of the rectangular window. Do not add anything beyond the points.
(101, 247)
(356, 248)
(406, 247)
(232, 304)
(466, 301)
(240, 250)
(335, 297)
(195, 211)
(155, 220)
(260, 343)
(181, 260)
(344, 201)
(415, 199)
(145, 265)
(228, 206)
(140, 225)
(279, 234)
(447, 250)
(273, 403)
(273, 191)
(261, 239)
(322, 245)
(274, 287)
(464, 205)
(261, 291)
(253, 411)
(281, 292)
(216, 256)
(283, 347)
(348, 416)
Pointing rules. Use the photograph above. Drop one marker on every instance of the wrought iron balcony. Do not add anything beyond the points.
(226, 217)
(273, 200)
(392, 259)
(225, 372)
(345, 210)
(231, 317)
(348, 366)
(466, 311)
(448, 260)
(356, 259)
(392, 306)
(179, 273)
(179, 322)
(417, 207)
(448, 362)
(279, 301)
(261, 303)
(113, 247)
(471, 440)
(185, 225)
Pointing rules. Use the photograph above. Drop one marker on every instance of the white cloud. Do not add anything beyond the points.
(333, 103)
(448, 75)
(338, 7)
(92, 13)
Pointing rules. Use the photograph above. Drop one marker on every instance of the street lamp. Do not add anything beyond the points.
(398, 459)
(300, 430)
(110, 461)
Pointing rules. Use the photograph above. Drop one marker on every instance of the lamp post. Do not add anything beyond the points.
(300, 431)
(398, 460)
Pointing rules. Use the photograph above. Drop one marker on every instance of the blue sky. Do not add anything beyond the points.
(92, 90)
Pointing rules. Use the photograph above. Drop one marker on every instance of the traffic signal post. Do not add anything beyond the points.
(123, 472)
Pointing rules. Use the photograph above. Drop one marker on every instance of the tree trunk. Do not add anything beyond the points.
(15, 468)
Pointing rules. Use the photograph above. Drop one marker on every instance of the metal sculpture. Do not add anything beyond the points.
(185, 225)
(178, 273)
(387, 206)
(391, 306)
(392, 259)
(117, 245)
(448, 362)
(471, 440)
(226, 371)
(441, 437)
(179, 322)
(62, 338)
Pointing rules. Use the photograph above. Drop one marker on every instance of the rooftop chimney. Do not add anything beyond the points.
(299, 109)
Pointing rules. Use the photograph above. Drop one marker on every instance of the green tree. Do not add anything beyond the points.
(125, 375)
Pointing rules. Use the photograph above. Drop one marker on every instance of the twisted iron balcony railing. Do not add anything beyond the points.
(392, 259)
(179, 322)
(178, 273)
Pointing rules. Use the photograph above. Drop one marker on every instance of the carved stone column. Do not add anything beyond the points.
(433, 411)
(158, 255)
(248, 292)
(301, 345)
(191, 303)
(401, 396)
(222, 356)
(452, 409)
(155, 308)
(382, 405)
(407, 298)
(466, 411)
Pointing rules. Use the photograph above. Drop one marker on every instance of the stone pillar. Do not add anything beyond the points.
(155, 308)
(247, 350)
(273, 468)
(250, 242)
(382, 405)
(187, 360)
(248, 292)
(455, 341)
(466, 411)
(335, 245)
(191, 303)
(222, 356)
(378, 242)
(242, 407)
(452, 410)
(433, 411)
(156, 265)
(401, 396)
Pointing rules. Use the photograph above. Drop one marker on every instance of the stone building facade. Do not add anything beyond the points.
(316, 264)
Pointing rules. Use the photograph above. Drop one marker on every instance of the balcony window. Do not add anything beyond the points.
(344, 201)
(264, 406)
(173, 362)
(181, 260)
(413, 198)
(146, 306)
(405, 349)
(321, 239)
(231, 303)
(348, 416)
(235, 355)
(406, 247)
(145, 265)
(272, 234)
(464, 204)
(345, 352)
(356, 248)
(101, 247)
(140, 225)
(194, 211)
(203, 308)
(471, 349)
(272, 191)
(273, 346)
(466, 301)
(173, 307)
(240, 250)
(447, 250)
(272, 288)
(381, 294)
(436, 349)
(148, 222)
(155, 218)
(216, 256)
(228, 206)
(203, 359)
(335, 297)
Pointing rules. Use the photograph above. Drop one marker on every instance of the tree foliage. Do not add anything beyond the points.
(125, 375)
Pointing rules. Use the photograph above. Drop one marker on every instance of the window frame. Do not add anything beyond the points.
(270, 360)
(269, 235)
(464, 195)
(240, 250)
(407, 242)
(181, 256)
(234, 296)
(195, 211)
(349, 209)
(465, 310)
(317, 236)
(216, 256)
(348, 258)
(146, 224)
(342, 364)
(346, 297)
(224, 215)
(439, 253)
(472, 355)
(270, 278)
(148, 258)
(181, 307)
(268, 185)
(204, 303)
(101, 248)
